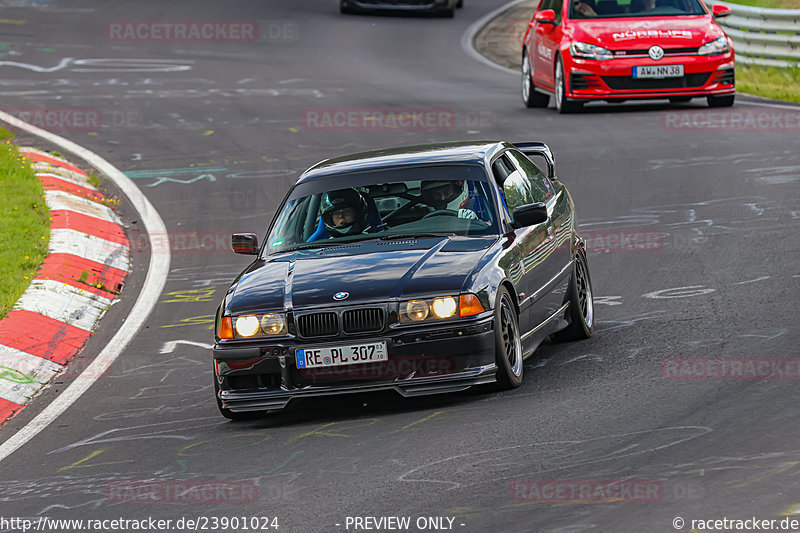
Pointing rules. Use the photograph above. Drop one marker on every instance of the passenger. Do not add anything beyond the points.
(442, 194)
(344, 212)
(584, 8)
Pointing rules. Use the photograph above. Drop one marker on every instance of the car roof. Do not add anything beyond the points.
(460, 153)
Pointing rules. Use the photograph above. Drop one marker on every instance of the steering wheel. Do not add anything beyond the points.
(441, 212)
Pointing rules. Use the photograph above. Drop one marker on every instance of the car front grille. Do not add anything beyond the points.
(420, 3)
(318, 324)
(362, 320)
(327, 323)
(628, 83)
(667, 52)
(581, 82)
(725, 77)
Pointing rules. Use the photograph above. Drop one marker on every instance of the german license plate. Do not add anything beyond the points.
(658, 71)
(324, 356)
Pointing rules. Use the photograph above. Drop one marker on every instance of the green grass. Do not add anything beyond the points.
(770, 82)
(5, 134)
(24, 225)
(94, 180)
(774, 4)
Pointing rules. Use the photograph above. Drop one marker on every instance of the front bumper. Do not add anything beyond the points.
(420, 6)
(422, 360)
(612, 79)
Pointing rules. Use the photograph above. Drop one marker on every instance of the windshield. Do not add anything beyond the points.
(589, 9)
(432, 201)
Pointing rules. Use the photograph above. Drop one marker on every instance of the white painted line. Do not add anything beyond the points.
(63, 200)
(767, 104)
(24, 374)
(63, 302)
(41, 166)
(157, 272)
(70, 241)
(66, 177)
(468, 38)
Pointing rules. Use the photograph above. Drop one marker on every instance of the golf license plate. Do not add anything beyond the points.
(658, 71)
(324, 356)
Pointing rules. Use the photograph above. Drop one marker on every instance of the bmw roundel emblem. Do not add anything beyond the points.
(655, 53)
(341, 295)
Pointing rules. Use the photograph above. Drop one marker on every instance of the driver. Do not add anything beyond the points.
(344, 212)
(441, 196)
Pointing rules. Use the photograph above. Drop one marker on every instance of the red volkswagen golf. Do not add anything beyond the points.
(616, 50)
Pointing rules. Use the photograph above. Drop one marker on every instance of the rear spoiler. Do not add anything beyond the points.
(539, 149)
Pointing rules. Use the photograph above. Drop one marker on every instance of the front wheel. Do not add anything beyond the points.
(721, 101)
(563, 104)
(529, 95)
(508, 346)
(581, 304)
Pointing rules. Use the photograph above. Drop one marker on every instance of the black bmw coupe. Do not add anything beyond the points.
(424, 269)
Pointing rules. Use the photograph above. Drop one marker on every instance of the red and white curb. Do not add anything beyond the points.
(89, 257)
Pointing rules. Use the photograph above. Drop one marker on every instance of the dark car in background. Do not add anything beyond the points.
(443, 8)
(425, 269)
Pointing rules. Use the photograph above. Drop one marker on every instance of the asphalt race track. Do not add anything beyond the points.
(215, 132)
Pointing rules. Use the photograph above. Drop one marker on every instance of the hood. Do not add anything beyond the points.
(641, 33)
(377, 271)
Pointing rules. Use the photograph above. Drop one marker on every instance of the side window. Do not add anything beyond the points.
(515, 188)
(545, 4)
(538, 182)
(557, 6)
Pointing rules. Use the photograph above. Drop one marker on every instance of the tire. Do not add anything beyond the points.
(529, 95)
(508, 346)
(232, 415)
(448, 12)
(721, 101)
(581, 304)
(563, 104)
(343, 8)
(679, 99)
(460, 4)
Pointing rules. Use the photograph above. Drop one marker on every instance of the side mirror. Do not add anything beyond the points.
(245, 243)
(530, 214)
(547, 16)
(539, 149)
(720, 11)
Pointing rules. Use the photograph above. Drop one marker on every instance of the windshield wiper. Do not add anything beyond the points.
(312, 245)
(402, 236)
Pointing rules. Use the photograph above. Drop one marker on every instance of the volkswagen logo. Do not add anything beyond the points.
(655, 53)
(341, 295)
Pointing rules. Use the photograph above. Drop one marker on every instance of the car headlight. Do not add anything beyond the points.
(589, 51)
(260, 325)
(439, 308)
(273, 323)
(444, 307)
(715, 47)
(247, 325)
